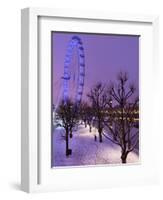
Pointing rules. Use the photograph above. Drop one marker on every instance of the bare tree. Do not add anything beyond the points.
(66, 112)
(123, 113)
(99, 100)
(83, 112)
(86, 114)
(90, 117)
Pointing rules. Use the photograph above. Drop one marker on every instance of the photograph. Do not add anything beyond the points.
(94, 99)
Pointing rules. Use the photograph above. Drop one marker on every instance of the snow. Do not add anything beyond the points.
(85, 150)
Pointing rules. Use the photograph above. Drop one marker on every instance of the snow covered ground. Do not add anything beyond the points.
(85, 150)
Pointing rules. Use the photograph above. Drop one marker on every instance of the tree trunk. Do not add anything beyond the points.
(95, 138)
(123, 160)
(85, 123)
(124, 157)
(124, 153)
(71, 133)
(67, 147)
(100, 135)
(90, 129)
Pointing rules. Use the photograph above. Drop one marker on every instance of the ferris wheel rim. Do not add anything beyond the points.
(75, 42)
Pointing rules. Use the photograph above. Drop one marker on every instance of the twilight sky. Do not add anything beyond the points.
(105, 56)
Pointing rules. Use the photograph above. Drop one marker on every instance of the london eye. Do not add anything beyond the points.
(74, 71)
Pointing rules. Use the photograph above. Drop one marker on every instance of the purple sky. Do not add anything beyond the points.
(105, 56)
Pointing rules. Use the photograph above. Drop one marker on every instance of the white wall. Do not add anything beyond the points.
(10, 95)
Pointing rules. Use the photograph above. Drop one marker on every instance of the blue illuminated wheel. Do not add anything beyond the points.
(74, 73)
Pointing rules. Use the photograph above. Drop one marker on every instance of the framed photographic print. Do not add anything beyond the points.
(90, 104)
(88, 116)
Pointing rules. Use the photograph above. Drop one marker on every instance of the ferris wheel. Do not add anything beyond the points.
(74, 71)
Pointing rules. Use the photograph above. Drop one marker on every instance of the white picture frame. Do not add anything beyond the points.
(36, 172)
